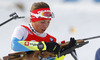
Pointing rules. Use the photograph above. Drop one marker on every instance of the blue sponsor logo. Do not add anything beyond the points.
(51, 39)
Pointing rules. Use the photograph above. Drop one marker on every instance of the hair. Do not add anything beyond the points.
(38, 5)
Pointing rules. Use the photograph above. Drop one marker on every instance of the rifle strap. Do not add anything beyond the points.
(67, 51)
(74, 55)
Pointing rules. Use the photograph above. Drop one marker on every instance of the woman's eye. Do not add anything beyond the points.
(48, 21)
(42, 21)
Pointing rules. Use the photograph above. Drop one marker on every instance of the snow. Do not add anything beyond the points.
(82, 16)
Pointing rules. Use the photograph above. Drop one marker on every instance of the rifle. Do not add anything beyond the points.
(80, 40)
(13, 16)
(80, 43)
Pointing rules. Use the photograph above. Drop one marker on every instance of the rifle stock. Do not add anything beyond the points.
(66, 43)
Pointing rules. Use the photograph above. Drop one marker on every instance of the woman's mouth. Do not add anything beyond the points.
(43, 29)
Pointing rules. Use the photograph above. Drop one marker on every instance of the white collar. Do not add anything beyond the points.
(37, 33)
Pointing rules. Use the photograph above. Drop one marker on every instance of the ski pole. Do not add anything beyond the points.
(13, 16)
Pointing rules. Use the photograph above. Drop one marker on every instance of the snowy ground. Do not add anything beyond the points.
(82, 16)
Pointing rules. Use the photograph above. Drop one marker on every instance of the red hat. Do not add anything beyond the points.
(36, 14)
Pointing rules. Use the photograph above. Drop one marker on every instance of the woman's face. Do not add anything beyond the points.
(41, 26)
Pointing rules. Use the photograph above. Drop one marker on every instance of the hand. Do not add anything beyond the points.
(52, 47)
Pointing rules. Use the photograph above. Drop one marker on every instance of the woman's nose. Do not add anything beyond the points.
(46, 25)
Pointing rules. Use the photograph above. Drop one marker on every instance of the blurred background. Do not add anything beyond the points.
(73, 18)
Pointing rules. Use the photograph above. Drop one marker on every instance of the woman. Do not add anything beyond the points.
(33, 37)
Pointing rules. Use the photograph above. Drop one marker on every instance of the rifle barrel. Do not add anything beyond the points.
(91, 38)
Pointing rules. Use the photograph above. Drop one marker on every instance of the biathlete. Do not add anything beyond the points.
(27, 41)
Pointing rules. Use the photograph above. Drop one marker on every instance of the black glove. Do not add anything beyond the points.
(52, 47)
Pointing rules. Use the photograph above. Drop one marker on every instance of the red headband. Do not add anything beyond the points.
(37, 11)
